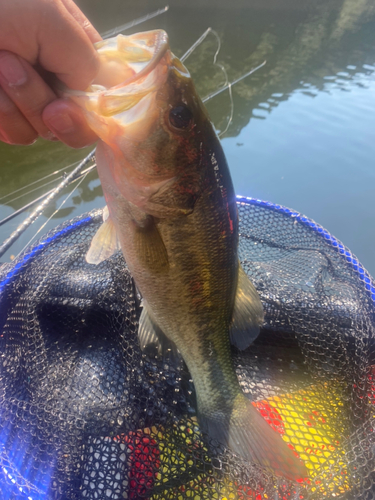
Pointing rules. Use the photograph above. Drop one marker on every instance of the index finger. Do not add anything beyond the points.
(80, 17)
(65, 45)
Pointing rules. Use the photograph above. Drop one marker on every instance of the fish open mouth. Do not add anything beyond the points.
(128, 59)
(131, 68)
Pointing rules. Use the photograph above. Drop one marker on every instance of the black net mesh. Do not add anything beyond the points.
(86, 415)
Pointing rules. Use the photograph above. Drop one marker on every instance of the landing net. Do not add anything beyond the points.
(85, 415)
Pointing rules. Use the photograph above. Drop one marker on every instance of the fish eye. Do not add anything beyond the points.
(181, 117)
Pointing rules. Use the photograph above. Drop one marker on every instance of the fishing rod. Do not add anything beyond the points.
(239, 79)
(25, 195)
(131, 24)
(12, 193)
(44, 195)
(40, 208)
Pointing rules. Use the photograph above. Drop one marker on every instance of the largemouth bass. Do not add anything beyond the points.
(172, 210)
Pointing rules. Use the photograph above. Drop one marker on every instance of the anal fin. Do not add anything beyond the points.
(152, 339)
(247, 313)
(105, 242)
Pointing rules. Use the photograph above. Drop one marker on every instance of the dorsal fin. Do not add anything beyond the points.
(105, 242)
(247, 313)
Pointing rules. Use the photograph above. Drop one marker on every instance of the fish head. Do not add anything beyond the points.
(151, 123)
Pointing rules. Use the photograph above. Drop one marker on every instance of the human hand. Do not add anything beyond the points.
(39, 41)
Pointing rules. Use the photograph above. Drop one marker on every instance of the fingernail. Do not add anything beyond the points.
(61, 123)
(12, 70)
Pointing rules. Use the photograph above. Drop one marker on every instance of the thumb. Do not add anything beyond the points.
(65, 119)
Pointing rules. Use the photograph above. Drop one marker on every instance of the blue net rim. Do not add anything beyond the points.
(350, 259)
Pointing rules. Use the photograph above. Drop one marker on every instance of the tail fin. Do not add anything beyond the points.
(247, 434)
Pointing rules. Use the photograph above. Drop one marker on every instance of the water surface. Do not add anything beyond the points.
(303, 128)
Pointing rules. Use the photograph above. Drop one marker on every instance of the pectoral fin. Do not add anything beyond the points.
(105, 242)
(150, 247)
(153, 340)
(247, 313)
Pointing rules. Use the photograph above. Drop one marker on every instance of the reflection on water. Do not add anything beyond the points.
(303, 128)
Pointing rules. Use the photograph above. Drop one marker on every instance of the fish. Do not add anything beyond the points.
(171, 209)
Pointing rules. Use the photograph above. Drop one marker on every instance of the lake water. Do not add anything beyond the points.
(303, 128)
